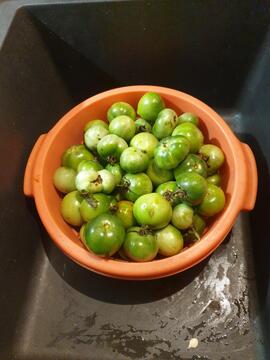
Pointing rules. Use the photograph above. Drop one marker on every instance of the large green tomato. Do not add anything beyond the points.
(124, 211)
(133, 160)
(140, 244)
(157, 175)
(110, 147)
(194, 187)
(93, 135)
(213, 202)
(149, 106)
(170, 241)
(104, 235)
(145, 142)
(96, 204)
(188, 118)
(123, 126)
(64, 179)
(182, 216)
(121, 108)
(70, 208)
(171, 151)
(165, 124)
(192, 163)
(91, 123)
(152, 210)
(192, 134)
(213, 156)
(74, 155)
(135, 185)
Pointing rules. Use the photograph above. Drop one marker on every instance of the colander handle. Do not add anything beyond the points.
(251, 179)
(28, 175)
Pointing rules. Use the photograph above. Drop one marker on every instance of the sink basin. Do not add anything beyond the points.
(54, 56)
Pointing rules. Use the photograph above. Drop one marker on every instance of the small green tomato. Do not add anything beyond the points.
(70, 208)
(88, 182)
(108, 181)
(145, 142)
(121, 108)
(165, 124)
(182, 216)
(149, 106)
(170, 241)
(64, 179)
(123, 126)
(93, 135)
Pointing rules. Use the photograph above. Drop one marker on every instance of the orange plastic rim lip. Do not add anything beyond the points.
(158, 268)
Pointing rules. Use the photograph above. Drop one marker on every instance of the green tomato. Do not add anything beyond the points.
(121, 108)
(213, 156)
(192, 134)
(135, 185)
(104, 235)
(64, 179)
(198, 224)
(152, 210)
(165, 124)
(108, 181)
(88, 182)
(213, 202)
(93, 135)
(192, 163)
(82, 237)
(188, 118)
(142, 126)
(194, 187)
(170, 241)
(182, 216)
(89, 165)
(95, 205)
(170, 191)
(110, 147)
(70, 208)
(145, 142)
(125, 213)
(94, 123)
(157, 175)
(123, 126)
(117, 172)
(214, 179)
(140, 245)
(133, 160)
(171, 151)
(149, 106)
(74, 155)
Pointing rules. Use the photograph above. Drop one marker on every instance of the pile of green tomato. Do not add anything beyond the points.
(141, 185)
